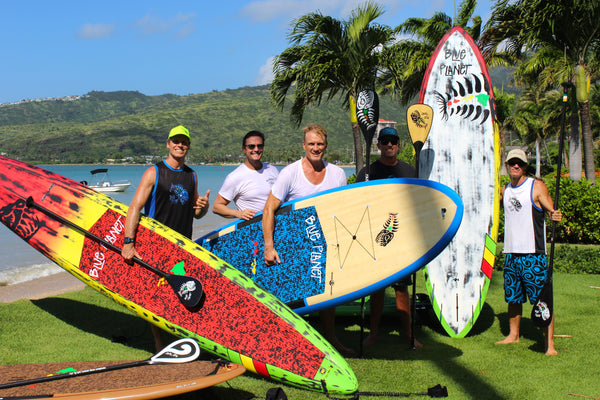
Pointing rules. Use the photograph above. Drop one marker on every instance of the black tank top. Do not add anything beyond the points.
(172, 198)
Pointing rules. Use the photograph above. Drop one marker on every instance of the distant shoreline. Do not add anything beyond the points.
(39, 288)
(189, 164)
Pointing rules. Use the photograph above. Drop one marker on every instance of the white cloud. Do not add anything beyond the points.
(265, 73)
(181, 25)
(262, 11)
(268, 10)
(96, 31)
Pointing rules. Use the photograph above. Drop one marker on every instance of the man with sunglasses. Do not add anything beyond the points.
(168, 192)
(526, 201)
(388, 166)
(248, 186)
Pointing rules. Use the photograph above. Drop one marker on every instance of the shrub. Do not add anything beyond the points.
(580, 204)
(573, 259)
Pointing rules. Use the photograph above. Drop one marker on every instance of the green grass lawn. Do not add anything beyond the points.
(84, 326)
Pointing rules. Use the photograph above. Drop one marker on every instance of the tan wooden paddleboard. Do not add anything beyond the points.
(137, 383)
(345, 243)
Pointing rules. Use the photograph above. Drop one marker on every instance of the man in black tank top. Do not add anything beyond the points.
(388, 166)
(168, 191)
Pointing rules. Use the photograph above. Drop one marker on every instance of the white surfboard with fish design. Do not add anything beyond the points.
(462, 152)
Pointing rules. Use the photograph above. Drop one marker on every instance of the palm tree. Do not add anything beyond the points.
(406, 61)
(328, 57)
(524, 120)
(566, 30)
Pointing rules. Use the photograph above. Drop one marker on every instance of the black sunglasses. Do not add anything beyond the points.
(252, 146)
(513, 162)
(388, 139)
(184, 142)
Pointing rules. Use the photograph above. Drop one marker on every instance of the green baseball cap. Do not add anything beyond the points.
(179, 130)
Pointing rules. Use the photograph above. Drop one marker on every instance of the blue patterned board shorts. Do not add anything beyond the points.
(524, 277)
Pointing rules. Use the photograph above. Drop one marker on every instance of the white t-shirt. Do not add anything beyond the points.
(292, 184)
(249, 188)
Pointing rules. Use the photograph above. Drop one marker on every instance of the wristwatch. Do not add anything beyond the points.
(128, 240)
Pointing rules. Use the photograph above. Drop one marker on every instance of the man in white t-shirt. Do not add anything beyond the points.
(248, 186)
(309, 175)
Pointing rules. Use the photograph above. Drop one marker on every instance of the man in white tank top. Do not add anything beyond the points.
(526, 201)
(309, 175)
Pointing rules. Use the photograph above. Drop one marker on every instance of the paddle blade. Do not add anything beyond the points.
(367, 113)
(188, 290)
(180, 351)
(541, 313)
(418, 118)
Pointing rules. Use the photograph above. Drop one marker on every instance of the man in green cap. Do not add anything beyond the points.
(168, 192)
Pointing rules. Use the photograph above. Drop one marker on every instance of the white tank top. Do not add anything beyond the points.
(524, 222)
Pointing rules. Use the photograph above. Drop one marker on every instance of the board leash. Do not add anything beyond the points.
(436, 391)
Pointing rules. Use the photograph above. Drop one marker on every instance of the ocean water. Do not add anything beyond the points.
(19, 262)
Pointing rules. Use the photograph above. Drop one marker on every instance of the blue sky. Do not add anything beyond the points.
(71, 47)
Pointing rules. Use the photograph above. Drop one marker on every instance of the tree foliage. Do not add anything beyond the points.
(552, 40)
(330, 57)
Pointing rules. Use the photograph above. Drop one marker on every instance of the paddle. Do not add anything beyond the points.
(178, 352)
(542, 311)
(418, 118)
(367, 116)
(188, 290)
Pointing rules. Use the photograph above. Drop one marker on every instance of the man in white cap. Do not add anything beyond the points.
(526, 201)
(168, 191)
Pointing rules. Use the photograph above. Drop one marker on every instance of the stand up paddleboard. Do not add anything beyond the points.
(344, 243)
(138, 383)
(82, 231)
(462, 152)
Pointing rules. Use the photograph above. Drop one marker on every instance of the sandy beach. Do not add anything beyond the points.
(40, 288)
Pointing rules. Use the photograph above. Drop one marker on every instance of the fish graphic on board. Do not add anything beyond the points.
(465, 99)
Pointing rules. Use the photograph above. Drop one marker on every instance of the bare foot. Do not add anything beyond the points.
(508, 340)
(417, 344)
(551, 352)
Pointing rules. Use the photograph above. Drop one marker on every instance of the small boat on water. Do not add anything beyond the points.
(104, 184)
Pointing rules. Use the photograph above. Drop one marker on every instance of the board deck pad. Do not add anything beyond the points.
(236, 320)
(137, 383)
(462, 152)
(344, 243)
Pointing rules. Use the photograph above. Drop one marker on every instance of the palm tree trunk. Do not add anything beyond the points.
(588, 146)
(358, 146)
(575, 149)
(538, 169)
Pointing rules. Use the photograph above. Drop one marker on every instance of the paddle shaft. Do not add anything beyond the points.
(74, 373)
(418, 145)
(189, 299)
(31, 203)
(368, 135)
(180, 351)
(561, 147)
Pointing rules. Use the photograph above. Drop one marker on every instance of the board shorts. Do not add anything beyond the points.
(524, 277)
